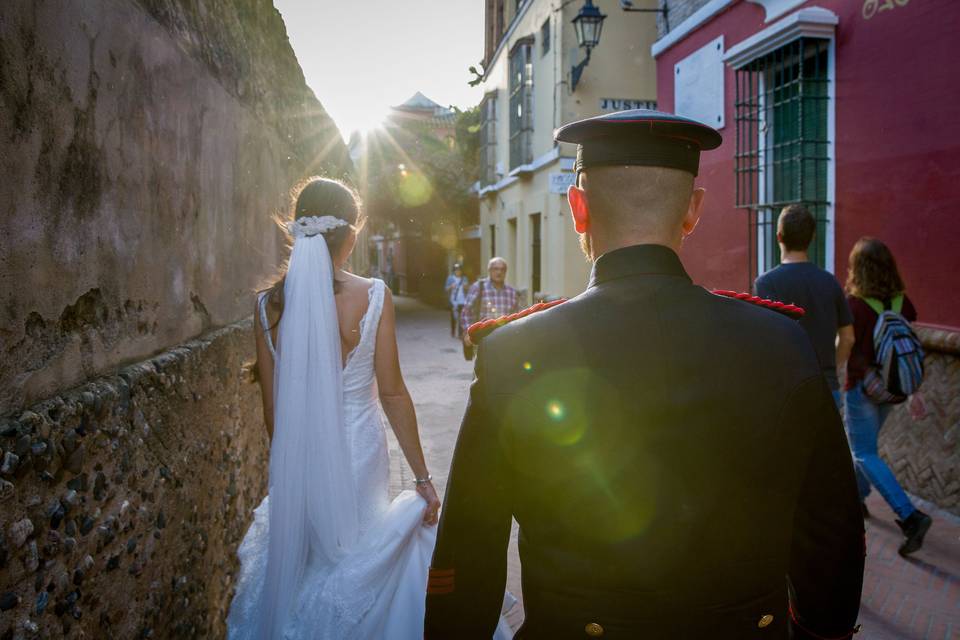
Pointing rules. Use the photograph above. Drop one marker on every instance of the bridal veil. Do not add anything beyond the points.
(313, 508)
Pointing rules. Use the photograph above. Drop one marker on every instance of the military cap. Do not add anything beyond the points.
(639, 137)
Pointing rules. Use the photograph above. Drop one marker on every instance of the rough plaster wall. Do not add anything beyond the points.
(122, 502)
(144, 147)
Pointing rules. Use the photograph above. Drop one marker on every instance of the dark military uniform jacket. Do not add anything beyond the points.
(675, 462)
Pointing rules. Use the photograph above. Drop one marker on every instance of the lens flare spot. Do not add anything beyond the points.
(624, 504)
(556, 410)
(414, 189)
(568, 426)
(527, 366)
(445, 235)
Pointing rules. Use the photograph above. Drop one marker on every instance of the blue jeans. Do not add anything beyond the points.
(863, 485)
(864, 418)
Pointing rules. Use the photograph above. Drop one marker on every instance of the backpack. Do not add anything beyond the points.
(898, 369)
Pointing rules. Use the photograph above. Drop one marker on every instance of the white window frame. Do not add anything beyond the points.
(811, 22)
(488, 139)
(526, 48)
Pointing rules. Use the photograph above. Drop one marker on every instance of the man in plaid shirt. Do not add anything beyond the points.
(498, 298)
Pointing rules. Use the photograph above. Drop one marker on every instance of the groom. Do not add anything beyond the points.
(674, 458)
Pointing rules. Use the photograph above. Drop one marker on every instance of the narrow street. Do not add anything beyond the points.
(439, 379)
(916, 598)
(151, 148)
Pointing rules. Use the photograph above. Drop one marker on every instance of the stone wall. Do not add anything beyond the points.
(122, 501)
(144, 147)
(925, 454)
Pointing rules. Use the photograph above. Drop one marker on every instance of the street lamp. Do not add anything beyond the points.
(588, 25)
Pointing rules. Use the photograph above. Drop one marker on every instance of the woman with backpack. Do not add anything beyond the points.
(885, 366)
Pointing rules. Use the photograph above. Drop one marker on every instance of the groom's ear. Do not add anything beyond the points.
(692, 216)
(579, 208)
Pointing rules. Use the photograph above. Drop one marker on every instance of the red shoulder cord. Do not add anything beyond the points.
(479, 330)
(790, 310)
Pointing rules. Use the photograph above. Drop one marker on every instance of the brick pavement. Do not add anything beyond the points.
(917, 597)
(903, 599)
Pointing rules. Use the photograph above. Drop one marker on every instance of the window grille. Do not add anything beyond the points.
(521, 103)
(488, 139)
(782, 148)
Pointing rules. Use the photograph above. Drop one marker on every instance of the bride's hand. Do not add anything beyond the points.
(428, 493)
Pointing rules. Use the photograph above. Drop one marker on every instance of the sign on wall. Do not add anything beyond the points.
(622, 104)
(698, 85)
(560, 181)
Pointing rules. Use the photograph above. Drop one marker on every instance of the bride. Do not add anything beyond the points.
(328, 556)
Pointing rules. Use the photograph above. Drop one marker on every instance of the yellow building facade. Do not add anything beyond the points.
(531, 48)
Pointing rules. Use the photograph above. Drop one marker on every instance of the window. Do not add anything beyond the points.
(488, 139)
(545, 38)
(535, 254)
(493, 241)
(782, 147)
(521, 103)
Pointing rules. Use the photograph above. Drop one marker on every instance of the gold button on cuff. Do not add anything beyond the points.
(765, 621)
(593, 630)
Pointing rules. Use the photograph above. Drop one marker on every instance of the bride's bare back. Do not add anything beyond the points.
(352, 301)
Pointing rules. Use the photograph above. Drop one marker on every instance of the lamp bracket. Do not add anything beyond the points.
(577, 70)
(627, 6)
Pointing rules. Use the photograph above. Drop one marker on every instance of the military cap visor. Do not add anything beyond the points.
(639, 137)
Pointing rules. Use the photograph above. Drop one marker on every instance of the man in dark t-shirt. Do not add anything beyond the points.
(796, 280)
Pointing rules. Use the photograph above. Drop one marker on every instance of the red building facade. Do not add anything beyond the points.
(851, 106)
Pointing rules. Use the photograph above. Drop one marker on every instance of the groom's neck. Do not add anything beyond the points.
(600, 244)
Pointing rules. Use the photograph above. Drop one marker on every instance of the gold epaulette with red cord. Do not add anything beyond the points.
(480, 330)
(790, 310)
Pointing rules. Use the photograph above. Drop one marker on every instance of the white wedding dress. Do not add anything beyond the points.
(372, 584)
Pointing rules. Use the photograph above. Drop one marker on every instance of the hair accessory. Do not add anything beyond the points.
(308, 226)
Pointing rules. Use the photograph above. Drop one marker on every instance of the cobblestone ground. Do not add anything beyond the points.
(916, 598)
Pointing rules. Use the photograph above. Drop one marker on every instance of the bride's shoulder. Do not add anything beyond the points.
(267, 306)
(355, 282)
(366, 289)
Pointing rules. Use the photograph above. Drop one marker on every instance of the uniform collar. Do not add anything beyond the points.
(639, 259)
